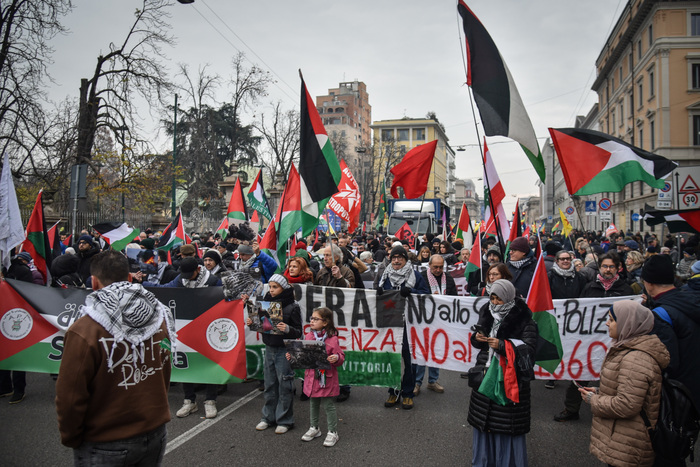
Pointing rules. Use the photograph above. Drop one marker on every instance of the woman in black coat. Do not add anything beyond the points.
(500, 429)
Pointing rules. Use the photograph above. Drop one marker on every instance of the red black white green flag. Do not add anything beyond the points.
(117, 234)
(237, 212)
(173, 234)
(593, 162)
(37, 241)
(257, 198)
(474, 263)
(500, 106)
(319, 170)
(677, 221)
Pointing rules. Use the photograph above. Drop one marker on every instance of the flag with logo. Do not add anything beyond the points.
(347, 202)
(405, 233)
(498, 100)
(593, 162)
(237, 212)
(37, 240)
(566, 227)
(117, 234)
(257, 198)
(319, 171)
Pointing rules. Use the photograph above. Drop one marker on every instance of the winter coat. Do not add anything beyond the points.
(312, 385)
(618, 289)
(514, 418)
(549, 262)
(450, 286)
(522, 276)
(684, 266)
(566, 287)
(291, 316)
(325, 278)
(682, 337)
(420, 287)
(590, 272)
(267, 266)
(20, 271)
(630, 380)
(85, 259)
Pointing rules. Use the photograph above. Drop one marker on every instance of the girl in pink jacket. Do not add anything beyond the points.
(322, 385)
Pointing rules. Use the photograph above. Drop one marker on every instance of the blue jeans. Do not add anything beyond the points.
(143, 450)
(419, 372)
(279, 388)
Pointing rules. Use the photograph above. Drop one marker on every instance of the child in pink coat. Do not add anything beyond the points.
(322, 385)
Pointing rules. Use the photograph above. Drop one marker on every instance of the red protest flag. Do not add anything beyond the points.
(405, 233)
(347, 202)
(413, 171)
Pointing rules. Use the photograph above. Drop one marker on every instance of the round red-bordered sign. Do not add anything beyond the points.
(605, 204)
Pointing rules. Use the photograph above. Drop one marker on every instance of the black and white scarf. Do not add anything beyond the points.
(564, 272)
(199, 282)
(434, 286)
(499, 312)
(404, 276)
(129, 313)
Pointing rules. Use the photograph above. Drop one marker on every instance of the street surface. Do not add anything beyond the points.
(435, 432)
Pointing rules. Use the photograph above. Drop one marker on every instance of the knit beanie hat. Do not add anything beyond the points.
(281, 280)
(188, 266)
(399, 251)
(148, 243)
(504, 289)
(520, 244)
(658, 269)
(85, 238)
(214, 255)
(245, 250)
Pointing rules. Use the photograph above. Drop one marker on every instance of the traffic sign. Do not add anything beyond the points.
(604, 204)
(590, 206)
(636, 217)
(690, 200)
(667, 187)
(605, 216)
(663, 204)
(570, 210)
(688, 186)
(549, 218)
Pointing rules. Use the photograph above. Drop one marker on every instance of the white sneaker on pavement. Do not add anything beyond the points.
(210, 409)
(188, 407)
(263, 425)
(281, 429)
(331, 439)
(311, 434)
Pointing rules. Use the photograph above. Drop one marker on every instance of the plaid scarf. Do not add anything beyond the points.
(320, 374)
(129, 313)
(434, 286)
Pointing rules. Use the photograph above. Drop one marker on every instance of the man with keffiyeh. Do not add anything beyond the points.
(401, 276)
(607, 284)
(112, 388)
(440, 283)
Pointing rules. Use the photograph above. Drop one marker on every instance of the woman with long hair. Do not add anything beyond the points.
(298, 272)
(495, 271)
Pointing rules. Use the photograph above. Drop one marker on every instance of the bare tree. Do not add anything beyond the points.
(131, 68)
(26, 29)
(280, 131)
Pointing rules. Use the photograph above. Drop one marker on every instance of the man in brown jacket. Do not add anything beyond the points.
(334, 273)
(112, 388)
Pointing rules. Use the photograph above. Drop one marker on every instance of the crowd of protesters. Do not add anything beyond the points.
(584, 264)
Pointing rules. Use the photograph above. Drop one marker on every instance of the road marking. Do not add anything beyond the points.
(192, 432)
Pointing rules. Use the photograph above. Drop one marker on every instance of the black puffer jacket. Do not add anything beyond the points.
(291, 315)
(596, 289)
(566, 287)
(522, 276)
(485, 414)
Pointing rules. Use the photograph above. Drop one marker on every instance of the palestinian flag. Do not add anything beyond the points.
(222, 229)
(566, 227)
(173, 234)
(257, 198)
(413, 172)
(68, 241)
(539, 299)
(236, 212)
(593, 162)
(319, 171)
(211, 331)
(117, 234)
(516, 227)
(464, 225)
(677, 221)
(289, 213)
(54, 240)
(500, 106)
(500, 382)
(474, 263)
(381, 215)
(37, 241)
(268, 244)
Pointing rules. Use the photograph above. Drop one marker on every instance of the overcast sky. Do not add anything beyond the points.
(408, 53)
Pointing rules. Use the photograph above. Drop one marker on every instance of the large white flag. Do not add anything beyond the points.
(11, 230)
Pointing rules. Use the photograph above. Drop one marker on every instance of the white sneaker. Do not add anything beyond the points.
(210, 409)
(311, 434)
(281, 429)
(263, 425)
(188, 407)
(331, 439)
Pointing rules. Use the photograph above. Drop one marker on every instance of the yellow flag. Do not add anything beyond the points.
(565, 226)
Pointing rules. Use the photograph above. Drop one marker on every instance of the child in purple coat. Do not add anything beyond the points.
(322, 385)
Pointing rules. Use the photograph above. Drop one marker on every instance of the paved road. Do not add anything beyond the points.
(435, 432)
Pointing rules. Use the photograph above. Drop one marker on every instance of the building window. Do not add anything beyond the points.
(639, 50)
(695, 75)
(403, 135)
(640, 143)
(695, 24)
(641, 188)
(650, 34)
(696, 130)
(631, 64)
(622, 112)
(640, 89)
(631, 102)
(620, 75)
(651, 83)
(652, 139)
(612, 119)
(419, 134)
(387, 135)
(330, 111)
(612, 83)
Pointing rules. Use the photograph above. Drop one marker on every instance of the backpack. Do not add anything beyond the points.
(677, 428)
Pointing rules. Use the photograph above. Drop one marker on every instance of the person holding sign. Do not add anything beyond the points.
(322, 385)
(506, 337)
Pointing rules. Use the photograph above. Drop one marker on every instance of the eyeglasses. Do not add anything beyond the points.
(565, 259)
(313, 318)
(606, 266)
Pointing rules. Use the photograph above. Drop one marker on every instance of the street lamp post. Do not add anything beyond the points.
(123, 129)
(172, 210)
